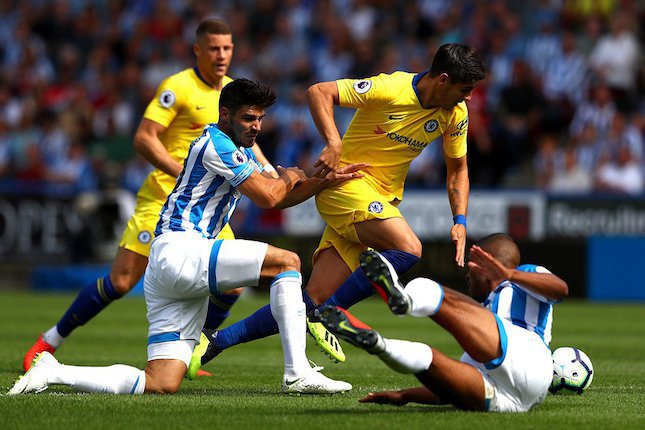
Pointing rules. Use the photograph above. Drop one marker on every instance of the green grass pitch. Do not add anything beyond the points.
(245, 392)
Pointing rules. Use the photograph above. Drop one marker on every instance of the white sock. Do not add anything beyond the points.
(53, 338)
(426, 296)
(115, 379)
(288, 309)
(406, 357)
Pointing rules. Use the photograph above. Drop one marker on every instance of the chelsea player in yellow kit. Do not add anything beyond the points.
(397, 115)
(183, 105)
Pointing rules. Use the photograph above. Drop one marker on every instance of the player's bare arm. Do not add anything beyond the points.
(402, 397)
(147, 143)
(264, 161)
(322, 97)
(314, 185)
(545, 284)
(267, 193)
(458, 188)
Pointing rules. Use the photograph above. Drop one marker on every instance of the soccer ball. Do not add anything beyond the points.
(572, 370)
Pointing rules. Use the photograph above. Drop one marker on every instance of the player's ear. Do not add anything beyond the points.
(224, 115)
(444, 79)
(197, 49)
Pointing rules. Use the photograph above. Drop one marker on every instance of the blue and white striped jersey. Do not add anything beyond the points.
(205, 194)
(521, 306)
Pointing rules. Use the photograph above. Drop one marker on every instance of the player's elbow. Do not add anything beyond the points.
(312, 91)
(563, 290)
(560, 290)
(139, 142)
(266, 201)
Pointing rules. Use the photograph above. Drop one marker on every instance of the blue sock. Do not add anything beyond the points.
(91, 300)
(357, 287)
(219, 307)
(256, 326)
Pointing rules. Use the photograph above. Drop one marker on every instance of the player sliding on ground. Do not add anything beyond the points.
(506, 366)
(187, 263)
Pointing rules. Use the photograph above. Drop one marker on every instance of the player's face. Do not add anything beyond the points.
(245, 125)
(453, 94)
(477, 286)
(214, 53)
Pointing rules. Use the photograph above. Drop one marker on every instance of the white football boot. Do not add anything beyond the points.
(35, 380)
(314, 383)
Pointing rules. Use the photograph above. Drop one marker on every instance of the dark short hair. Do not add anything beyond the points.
(212, 26)
(242, 92)
(503, 247)
(460, 62)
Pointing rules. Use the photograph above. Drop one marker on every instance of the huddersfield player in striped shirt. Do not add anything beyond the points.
(187, 263)
(183, 104)
(506, 365)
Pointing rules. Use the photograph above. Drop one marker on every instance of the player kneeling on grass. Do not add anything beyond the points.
(187, 263)
(506, 366)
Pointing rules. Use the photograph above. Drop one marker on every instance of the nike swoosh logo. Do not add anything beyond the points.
(290, 383)
(396, 117)
(346, 327)
(200, 107)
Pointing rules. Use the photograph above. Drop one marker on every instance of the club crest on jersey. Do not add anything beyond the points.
(238, 157)
(431, 125)
(167, 99)
(361, 87)
(375, 207)
(144, 236)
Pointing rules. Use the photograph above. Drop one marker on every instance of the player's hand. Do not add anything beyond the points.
(295, 173)
(484, 264)
(385, 398)
(327, 161)
(458, 237)
(345, 173)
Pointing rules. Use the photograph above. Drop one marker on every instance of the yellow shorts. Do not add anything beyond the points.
(344, 206)
(140, 230)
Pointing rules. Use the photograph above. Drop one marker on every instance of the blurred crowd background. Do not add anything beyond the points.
(563, 109)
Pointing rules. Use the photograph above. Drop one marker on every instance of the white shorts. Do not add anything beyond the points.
(520, 378)
(183, 270)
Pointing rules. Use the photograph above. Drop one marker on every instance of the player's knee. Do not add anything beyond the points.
(162, 385)
(162, 388)
(412, 246)
(290, 261)
(122, 284)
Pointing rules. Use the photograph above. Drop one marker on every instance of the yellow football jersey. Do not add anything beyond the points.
(184, 103)
(390, 128)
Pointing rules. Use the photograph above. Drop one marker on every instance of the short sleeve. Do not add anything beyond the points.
(223, 158)
(455, 137)
(368, 93)
(166, 104)
(533, 268)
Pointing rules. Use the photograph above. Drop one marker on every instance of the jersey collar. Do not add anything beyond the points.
(199, 75)
(415, 81)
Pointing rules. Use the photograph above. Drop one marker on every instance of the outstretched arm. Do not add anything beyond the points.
(402, 397)
(322, 97)
(313, 185)
(458, 187)
(545, 284)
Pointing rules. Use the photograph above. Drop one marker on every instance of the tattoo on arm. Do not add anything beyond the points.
(454, 196)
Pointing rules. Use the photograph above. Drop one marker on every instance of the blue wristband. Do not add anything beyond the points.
(459, 219)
